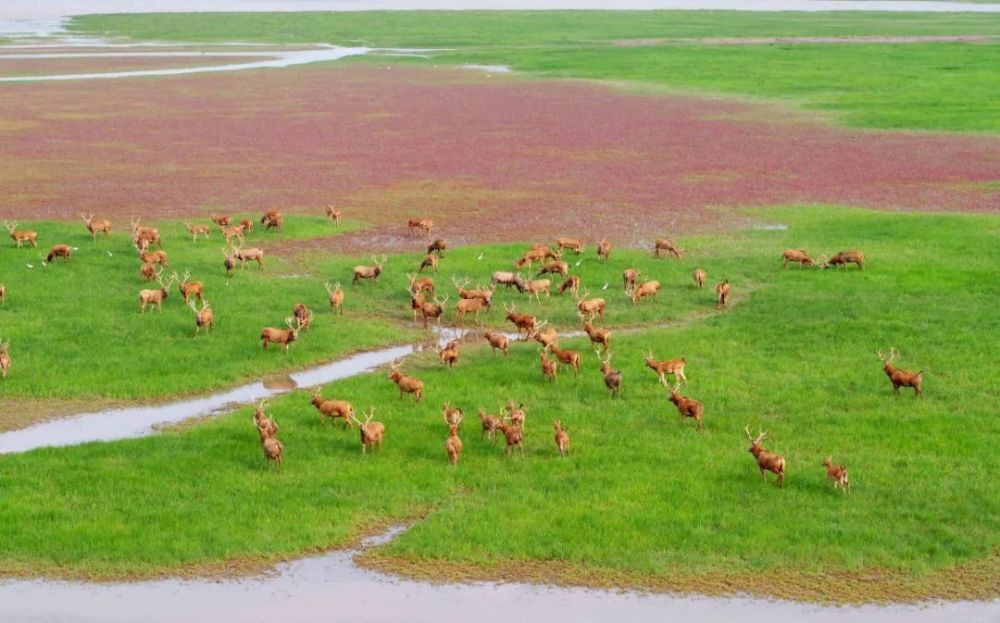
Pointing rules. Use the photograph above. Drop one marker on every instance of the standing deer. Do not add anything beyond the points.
(666, 245)
(569, 358)
(687, 407)
(230, 261)
(490, 425)
(838, 474)
(612, 378)
(670, 366)
(152, 257)
(247, 226)
(496, 341)
(406, 384)
(266, 427)
(514, 435)
(333, 409)
(589, 307)
(536, 287)
(20, 237)
(549, 368)
(847, 257)
(562, 438)
(604, 250)
(523, 322)
(452, 416)
(336, 297)
(144, 236)
(439, 246)
(630, 277)
(232, 231)
(699, 277)
(424, 284)
(470, 305)
(155, 297)
(303, 315)
(95, 227)
(285, 337)
(796, 256)
(5, 359)
(453, 445)
(274, 450)
(203, 318)
(421, 225)
(598, 335)
(900, 378)
(221, 220)
(333, 214)
(545, 337)
(371, 432)
(517, 416)
(59, 250)
(646, 288)
(428, 310)
(450, 354)
(252, 254)
(766, 461)
(147, 271)
(722, 294)
(197, 230)
(188, 288)
(272, 218)
(572, 244)
(3, 294)
(369, 272)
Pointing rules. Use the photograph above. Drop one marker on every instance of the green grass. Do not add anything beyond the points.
(643, 495)
(76, 331)
(932, 86)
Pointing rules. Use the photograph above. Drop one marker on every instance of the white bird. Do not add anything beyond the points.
(76, 248)
(578, 262)
(30, 265)
(605, 287)
(480, 256)
(110, 254)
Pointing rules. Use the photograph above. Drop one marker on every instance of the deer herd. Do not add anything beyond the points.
(427, 306)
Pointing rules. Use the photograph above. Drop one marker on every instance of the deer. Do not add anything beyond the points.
(497, 341)
(452, 417)
(247, 226)
(274, 450)
(451, 353)
(427, 310)
(472, 305)
(722, 294)
(5, 360)
(687, 407)
(555, 267)
(508, 279)
(253, 254)
(612, 378)
(699, 277)
(545, 337)
(630, 277)
(3, 294)
(646, 288)
(421, 226)
(336, 297)
(187, 287)
(901, 378)
(536, 287)
(285, 337)
(453, 445)
(572, 244)
(523, 322)
(767, 461)
(273, 219)
(230, 232)
(838, 474)
(20, 237)
(221, 220)
(796, 256)
(154, 257)
(303, 315)
(598, 335)
(371, 432)
(155, 297)
(670, 366)
(266, 427)
(203, 318)
(490, 425)
(333, 409)
(604, 250)
(517, 415)
(549, 367)
(144, 236)
(59, 250)
(572, 283)
(369, 272)
(535, 254)
(666, 245)
(562, 438)
(424, 284)
(514, 435)
(476, 293)
(333, 214)
(430, 261)
(589, 307)
(197, 230)
(406, 384)
(439, 246)
(147, 271)
(569, 358)
(847, 257)
(95, 227)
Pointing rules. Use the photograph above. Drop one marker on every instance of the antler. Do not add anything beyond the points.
(749, 434)
(371, 414)
(329, 290)
(760, 437)
(191, 304)
(10, 227)
(893, 353)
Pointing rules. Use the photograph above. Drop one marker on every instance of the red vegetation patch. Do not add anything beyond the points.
(487, 157)
(55, 66)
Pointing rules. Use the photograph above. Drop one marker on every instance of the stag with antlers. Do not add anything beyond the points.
(371, 432)
(272, 219)
(369, 272)
(303, 315)
(152, 257)
(333, 409)
(453, 445)
(203, 318)
(406, 384)
(549, 367)
(20, 237)
(898, 377)
(767, 461)
(285, 337)
(687, 407)
(514, 435)
(155, 297)
(598, 335)
(450, 354)
(523, 322)
(266, 427)
(569, 358)
(497, 341)
(144, 236)
(424, 284)
(336, 297)
(95, 227)
(187, 287)
(847, 257)
(562, 438)
(545, 337)
(796, 256)
(427, 310)
(589, 308)
(670, 366)
(612, 378)
(838, 474)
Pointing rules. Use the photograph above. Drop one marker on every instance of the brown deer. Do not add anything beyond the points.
(497, 341)
(247, 226)
(429, 261)
(5, 359)
(545, 337)
(900, 378)
(452, 416)
(147, 271)
(144, 236)
(439, 246)
(490, 425)
(562, 438)
(516, 412)
(59, 250)
(422, 226)
(3, 294)
(95, 227)
(549, 368)
(598, 335)
(230, 232)
(369, 272)
(303, 315)
(333, 409)
(838, 474)
(406, 384)
(569, 358)
(699, 277)
(646, 288)
(253, 254)
(766, 461)
(187, 287)
(666, 245)
(529, 257)
(424, 284)
(514, 436)
(523, 322)
(152, 257)
(612, 378)
(272, 219)
(155, 297)
(722, 294)
(274, 450)
(453, 445)
(589, 307)
(572, 244)
(451, 353)
(336, 297)
(197, 230)
(20, 237)
(630, 277)
(266, 427)
(230, 261)
(536, 287)
(203, 318)
(285, 337)
(428, 310)
(670, 366)
(555, 267)
(572, 283)
(508, 279)
(796, 256)
(471, 305)
(221, 220)
(371, 432)
(847, 257)
(687, 407)
(604, 250)
(475, 293)
(333, 214)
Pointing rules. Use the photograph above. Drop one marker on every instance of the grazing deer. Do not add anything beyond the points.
(252, 254)
(476, 293)
(572, 284)
(646, 288)
(59, 250)
(303, 315)
(508, 279)
(569, 358)
(450, 354)
(424, 284)
(285, 337)
(722, 294)
(589, 307)
(562, 438)
(666, 245)
(247, 226)
(333, 409)
(630, 277)
(555, 267)
(266, 427)
(5, 359)
(406, 384)
(452, 417)
(155, 297)
(545, 337)
(453, 445)
(490, 425)
(847, 257)
(369, 272)
(523, 322)
(838, 474)
(336, 297)
(221, 220)
(230, 232)
(604, 250)
(699, 277)
(687, 407)
(471, 305)
(514, 435)
(536, 287)
(230, 261)
(421, 226)
(598, 335)
(154, 257)
(147, 271)
(796, 256)
(274, 450)
(549, 367)
(900, 378)
(535, 254)
(439, 246)
(333, 214)
(766, 461)
(430, 261)
(203, 318)
(272, 218)
(100, 225)
(670, 366)
(612, 378)
(572, 244)
(20, 237)
(188, 288)
(197, 230)
(371, 432)
(496, 341)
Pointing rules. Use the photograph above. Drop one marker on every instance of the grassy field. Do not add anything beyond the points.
(643, 500)
(939, 86)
